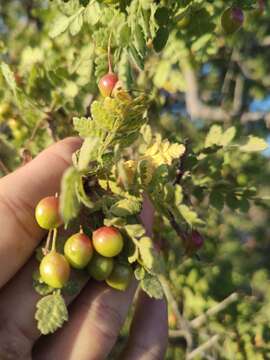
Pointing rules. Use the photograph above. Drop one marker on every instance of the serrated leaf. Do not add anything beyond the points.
(135, 57)
(82, 196)
(228, 136)
(135, 230)
(189, 215)
(134, 257)
(88, 152)
(41, 288)
(92, 13)
(60, 25)
(214, 136)
(217, 199)
(51, 313)
(152, 286)
(254, 144)
(139, 273)
(76, 25)
(69, 203)
(126, 207)
(164, 152)
(9, 76)
(147, 254)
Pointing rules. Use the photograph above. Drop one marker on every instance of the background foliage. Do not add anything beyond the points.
(198, 78)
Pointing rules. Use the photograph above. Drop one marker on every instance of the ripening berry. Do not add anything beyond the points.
(184, 22)
(47, 213)
(194, 242)
(100, 267)
(120, 277)
(108, 241)
(54, 270)
(232, 19)
(78, 250)
(107, 83)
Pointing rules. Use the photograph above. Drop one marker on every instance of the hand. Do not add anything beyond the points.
(96, 315)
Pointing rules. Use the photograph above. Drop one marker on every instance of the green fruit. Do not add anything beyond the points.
(184, 22)
(54, 270)
(107, 83)
(47, 213)
(120, 277)
(232, 19)
(108, 241)
(100, 267)
(78, 250)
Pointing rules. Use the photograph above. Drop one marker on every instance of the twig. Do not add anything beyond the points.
(4, 168)
(198, 321)
(182, 323)
(199, 350)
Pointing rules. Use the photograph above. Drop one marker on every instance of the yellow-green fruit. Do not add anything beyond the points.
(47, 213)
(120, 277)
(78, 250)
(108, 241)
(54, 270)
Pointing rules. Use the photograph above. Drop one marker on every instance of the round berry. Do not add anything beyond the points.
(232, 19)
(108, 241)
(194, 242)
(120, 277)
(107, 83)
(100, 267)
(78, 250)
(54, 270)
(184, 22)
(47, 213)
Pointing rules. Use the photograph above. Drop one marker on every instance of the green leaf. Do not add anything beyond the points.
(60, 26)
(76, 25)
(41, 288)
(254, 144)
(147, 254)
(228, 136)
(190, 216)
(162, 16)
(135, 57)
(88, 152)
(217, 199)
(161, 39)
(214, 136)
(134, 257)
(126, 207)
(84, 126)
(135, 230)
(9, 76)
(139, 273)
(51, 313)
(152, 286)
(69, 203)
(92, 13)
(82, 196)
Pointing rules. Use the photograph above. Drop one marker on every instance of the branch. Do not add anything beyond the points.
(182, 323)
(195, 107)
(4, 168)
(199, 351)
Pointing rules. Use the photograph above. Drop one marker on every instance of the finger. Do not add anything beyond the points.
(149, 330)
(19, 193)
(95, 321)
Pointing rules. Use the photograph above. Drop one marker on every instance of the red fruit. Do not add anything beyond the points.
(108, 241)
(47, 213)
(54, 270)
(194, 242)
(78, 250)
(107, 83)
(232, 19)
(260, 7)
